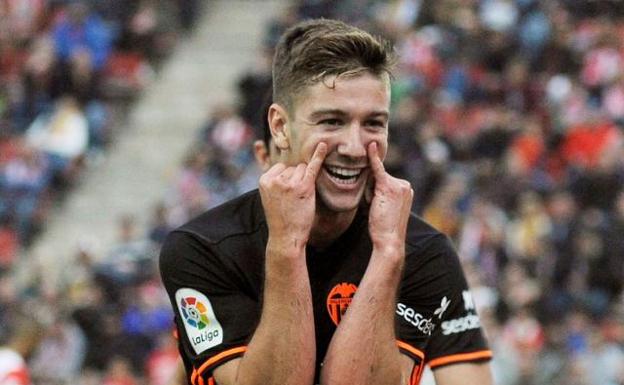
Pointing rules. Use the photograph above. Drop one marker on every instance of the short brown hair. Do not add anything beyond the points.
(311, 50)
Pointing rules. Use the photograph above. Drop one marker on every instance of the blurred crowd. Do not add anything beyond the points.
(507, 120)
(69, 70)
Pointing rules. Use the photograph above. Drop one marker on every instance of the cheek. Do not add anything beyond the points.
(306, 152)
(313, 140)
(382, 143)
(383, 149)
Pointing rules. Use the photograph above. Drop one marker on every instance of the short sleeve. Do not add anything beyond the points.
(432, 299)
(458, 336)
(214, 318)
(420, 293)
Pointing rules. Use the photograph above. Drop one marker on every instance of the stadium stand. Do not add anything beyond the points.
(69, 72)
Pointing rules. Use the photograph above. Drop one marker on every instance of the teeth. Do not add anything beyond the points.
(342, 175)
(344, 171)
(343, 181)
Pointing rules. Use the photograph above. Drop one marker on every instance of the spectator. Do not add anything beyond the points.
(127, 262)
(8, 244)
(605, 358)
(59, 356)
(163, 362)
(153, 29)
(23, 181)
(62, 136)
(161, 224)
(83, 44)
(119, 373)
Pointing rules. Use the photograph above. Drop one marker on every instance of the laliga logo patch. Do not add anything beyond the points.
(194, 312)
(339, 299)
(202, 327)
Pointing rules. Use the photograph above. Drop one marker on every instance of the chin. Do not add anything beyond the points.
(339, 202)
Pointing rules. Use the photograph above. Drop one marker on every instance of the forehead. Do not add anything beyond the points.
(354, 94)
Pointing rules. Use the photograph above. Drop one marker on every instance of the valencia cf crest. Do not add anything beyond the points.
(339, 299)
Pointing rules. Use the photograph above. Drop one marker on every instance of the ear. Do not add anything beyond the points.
(278, 123)
(262, 155)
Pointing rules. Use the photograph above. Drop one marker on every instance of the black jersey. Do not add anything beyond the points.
(213, 270)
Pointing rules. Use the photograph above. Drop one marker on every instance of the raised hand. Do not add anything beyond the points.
(389, 207)
(289, 199)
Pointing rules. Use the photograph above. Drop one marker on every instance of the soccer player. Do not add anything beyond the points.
(323, 276)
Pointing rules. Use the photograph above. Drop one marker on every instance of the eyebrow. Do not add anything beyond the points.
(324, 112)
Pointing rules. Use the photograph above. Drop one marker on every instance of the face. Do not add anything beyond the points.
(347, 113)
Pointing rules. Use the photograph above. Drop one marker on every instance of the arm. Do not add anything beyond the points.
(277, 345)
(457, 351)
(282, 350)
(364, 344)
(464, 374)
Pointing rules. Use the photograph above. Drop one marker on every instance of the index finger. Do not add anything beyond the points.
(375, 162)
(315, 163)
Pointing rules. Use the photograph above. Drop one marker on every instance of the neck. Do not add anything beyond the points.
(329, 225)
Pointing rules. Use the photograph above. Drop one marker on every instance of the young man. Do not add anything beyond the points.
(261, 285)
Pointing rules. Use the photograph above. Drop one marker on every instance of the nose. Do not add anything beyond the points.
(352, 142)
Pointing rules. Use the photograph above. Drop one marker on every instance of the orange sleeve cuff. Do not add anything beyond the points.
(410, 350)
(462, 357)
(419, 361)
(196, 376)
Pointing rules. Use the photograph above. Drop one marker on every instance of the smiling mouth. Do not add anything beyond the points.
(343, 175)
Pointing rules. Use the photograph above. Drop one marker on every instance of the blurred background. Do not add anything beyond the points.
(120, 120)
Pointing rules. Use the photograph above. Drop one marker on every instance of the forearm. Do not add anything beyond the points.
(283, 349)
(364, 344)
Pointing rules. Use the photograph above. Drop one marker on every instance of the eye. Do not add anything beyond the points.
(331, 122)
(376, 124)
